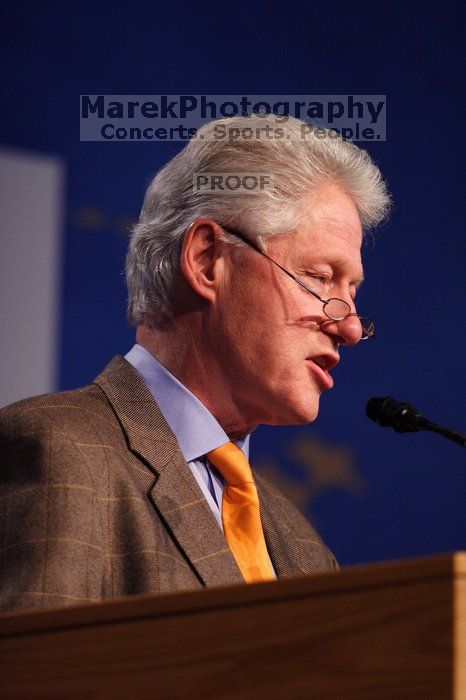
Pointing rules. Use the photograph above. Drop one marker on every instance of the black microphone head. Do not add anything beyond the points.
(377, 407)
(389, 413)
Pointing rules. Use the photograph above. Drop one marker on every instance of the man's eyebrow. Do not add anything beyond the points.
(358, 284)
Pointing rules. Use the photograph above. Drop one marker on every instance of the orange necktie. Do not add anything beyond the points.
(240, 513)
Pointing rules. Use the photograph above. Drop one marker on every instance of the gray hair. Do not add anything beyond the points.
(297, 157)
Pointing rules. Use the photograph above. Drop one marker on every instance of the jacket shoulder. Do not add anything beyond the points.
(74, 413)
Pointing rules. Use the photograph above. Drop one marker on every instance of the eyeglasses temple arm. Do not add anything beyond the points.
(238, 234)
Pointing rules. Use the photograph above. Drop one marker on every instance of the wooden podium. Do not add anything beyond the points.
(395, 630)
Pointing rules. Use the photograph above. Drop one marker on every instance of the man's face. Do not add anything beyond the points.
(276, 345)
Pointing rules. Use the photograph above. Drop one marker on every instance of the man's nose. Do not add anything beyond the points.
(345, 332)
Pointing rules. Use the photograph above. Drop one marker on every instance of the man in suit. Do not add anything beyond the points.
(241, 301)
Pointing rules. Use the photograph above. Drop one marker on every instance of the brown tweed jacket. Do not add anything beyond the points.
(98, 502)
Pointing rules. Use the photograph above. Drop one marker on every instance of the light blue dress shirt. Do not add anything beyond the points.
(195, 428)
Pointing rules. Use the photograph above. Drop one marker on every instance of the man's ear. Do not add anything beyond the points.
(201, 254)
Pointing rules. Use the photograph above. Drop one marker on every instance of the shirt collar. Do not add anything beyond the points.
(193, 425)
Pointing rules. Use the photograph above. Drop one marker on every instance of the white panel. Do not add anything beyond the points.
(31, 222)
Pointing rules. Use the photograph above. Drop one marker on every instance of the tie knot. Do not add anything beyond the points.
(232, 463)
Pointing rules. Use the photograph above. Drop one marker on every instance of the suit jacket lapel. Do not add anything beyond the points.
(181, 503)
(175, 494)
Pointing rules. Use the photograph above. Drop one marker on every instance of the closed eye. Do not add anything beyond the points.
(323, 279)
(319, 283)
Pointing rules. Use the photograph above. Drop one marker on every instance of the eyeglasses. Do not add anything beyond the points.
(335, 309)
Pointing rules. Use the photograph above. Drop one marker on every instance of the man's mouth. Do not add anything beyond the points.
(321, 366)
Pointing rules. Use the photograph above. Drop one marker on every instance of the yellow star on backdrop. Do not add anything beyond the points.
(322, 466)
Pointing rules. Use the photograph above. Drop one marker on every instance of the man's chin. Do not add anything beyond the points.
(299, 413)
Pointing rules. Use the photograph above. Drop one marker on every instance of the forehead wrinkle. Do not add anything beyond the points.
(331, 203)
(334, 218)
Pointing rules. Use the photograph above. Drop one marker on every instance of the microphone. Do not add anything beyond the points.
(404, 418)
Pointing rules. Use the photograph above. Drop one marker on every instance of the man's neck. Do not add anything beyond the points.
(195, 367)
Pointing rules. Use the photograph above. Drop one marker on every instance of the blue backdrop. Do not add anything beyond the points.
(372, 493)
